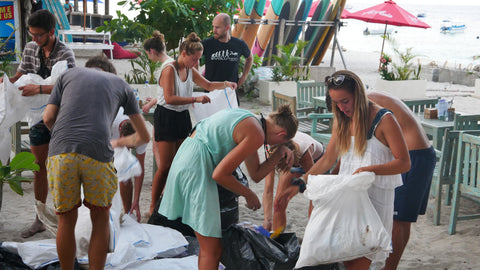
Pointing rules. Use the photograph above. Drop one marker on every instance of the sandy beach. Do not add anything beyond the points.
(430, 247)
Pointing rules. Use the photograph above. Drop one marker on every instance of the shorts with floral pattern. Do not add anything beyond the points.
(67, 172)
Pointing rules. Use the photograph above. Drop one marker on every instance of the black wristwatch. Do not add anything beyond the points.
(300, 183)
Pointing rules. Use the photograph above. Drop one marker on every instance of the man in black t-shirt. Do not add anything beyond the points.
(222, 53)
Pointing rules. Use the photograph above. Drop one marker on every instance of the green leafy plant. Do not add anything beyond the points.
(248, 86)
(7, 56)
(143, 69)
(405, 70)
(10, 173)
(124, 29)
(288, 66)
(177, 18)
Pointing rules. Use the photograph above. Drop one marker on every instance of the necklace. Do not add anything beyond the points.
(264, 127)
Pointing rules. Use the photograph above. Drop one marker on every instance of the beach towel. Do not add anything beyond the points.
(343, 225)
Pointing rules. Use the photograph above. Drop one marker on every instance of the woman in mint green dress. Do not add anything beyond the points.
(209, 156)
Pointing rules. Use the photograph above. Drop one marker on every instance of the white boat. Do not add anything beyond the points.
(452, 27)
(377, 31)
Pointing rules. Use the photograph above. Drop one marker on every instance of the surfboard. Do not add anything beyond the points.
(244, 14)
(291, 16)
(302, 14)
(317, 16)
(266, 30)
(271, 48)
(326, 42)
(319, 33)
(250, 30)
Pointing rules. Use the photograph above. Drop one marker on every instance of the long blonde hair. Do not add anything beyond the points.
(353, 84)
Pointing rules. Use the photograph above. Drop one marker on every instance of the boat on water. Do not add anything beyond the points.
(421, 15)
(377, 31)
(452, 27)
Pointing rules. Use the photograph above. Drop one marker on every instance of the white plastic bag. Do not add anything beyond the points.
(35, 105)
(126, 164)
(219, 100)
(14, 107)
(5, 144)
(343, 225)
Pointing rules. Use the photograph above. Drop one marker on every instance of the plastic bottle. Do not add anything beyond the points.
(137, 96)
(442, 109)
(146, 89)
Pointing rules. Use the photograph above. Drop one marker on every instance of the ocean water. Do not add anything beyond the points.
(455, 49)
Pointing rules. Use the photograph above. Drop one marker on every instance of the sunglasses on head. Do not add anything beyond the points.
(335, 80)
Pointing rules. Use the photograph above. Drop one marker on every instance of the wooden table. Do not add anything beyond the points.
(320, 103)
(435, 128)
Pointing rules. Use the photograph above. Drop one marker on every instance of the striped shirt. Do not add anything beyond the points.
(31, 57)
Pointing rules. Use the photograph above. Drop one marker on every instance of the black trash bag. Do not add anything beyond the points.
(225, 196)
(244, 248)
(332, 266)
(229, 213)
(177, 224)
(12, 261)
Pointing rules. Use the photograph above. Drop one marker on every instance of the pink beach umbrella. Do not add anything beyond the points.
(388, 13)
(345, 14)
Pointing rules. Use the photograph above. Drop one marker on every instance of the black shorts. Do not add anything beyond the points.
(39, 134)
(412, 197)
(171, 125)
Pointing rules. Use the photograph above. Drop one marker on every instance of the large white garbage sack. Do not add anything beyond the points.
(343, 225)
(220, 99)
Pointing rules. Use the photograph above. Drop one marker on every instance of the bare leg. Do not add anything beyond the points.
(279, 210)
(165, 154)
(210, 252)
(98, 249)
(66, 239)
(358, 264)
(126, 192)
(400, 236)
(40, 186)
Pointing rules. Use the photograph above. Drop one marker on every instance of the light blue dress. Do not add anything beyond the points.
(190, 191)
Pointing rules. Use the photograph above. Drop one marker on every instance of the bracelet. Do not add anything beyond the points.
(300, 183)
(193, 100)
(40, 92)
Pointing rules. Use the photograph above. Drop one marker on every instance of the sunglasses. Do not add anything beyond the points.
(335, 80)
(37, 36)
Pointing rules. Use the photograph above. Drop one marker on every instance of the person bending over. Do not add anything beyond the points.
(209, 156)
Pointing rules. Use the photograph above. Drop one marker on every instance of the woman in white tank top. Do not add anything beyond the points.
(172, 122)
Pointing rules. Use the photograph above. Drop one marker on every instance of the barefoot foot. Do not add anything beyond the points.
(35, 228)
